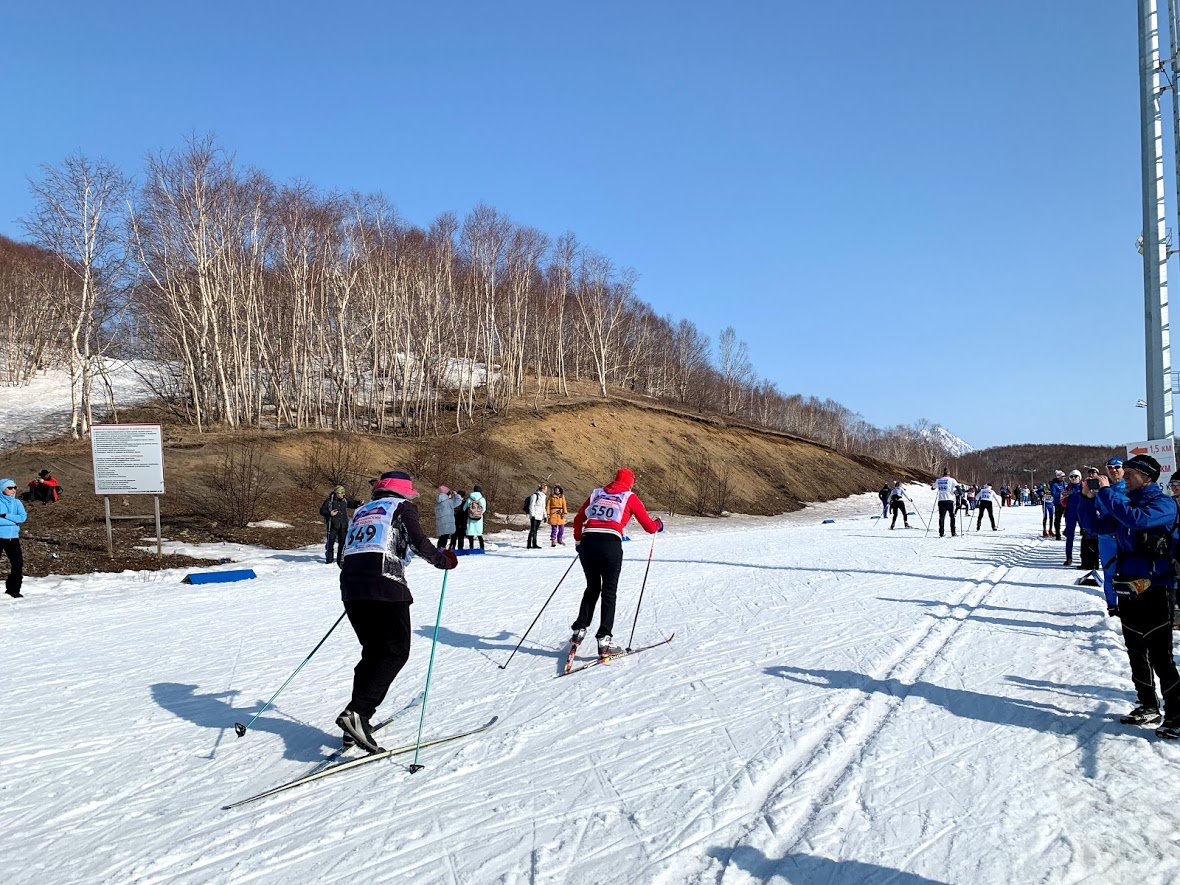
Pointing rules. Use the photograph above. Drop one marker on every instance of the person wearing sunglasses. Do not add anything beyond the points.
(1144, 525)
(12, 514)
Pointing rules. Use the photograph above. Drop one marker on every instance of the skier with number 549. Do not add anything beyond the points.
(377, 597)
(598, 538)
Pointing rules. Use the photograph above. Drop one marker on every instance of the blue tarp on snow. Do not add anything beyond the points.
(241, 574)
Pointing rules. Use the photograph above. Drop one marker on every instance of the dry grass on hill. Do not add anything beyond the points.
(684, 463)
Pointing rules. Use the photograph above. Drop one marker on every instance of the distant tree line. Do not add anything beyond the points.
(1006, 465)
(269, 304)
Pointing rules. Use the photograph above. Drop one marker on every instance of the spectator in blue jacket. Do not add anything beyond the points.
(1069, 503)
(1107, 546)
(1056, 487)
(12, 514)
(1144, 526)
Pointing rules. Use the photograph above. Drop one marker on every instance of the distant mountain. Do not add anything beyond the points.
(947, 441)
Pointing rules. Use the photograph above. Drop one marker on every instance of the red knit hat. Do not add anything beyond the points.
(625, 476)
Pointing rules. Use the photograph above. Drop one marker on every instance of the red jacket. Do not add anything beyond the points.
(613, 509)
(49, 483)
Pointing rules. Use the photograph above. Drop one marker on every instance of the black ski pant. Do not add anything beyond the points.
(945, 509)
(1058, 513)
(1147, 631)
(457, 540)
(1089, 551)
(602, 560)
(981, 508)
(383, 629)
(534, 527)
(335, 539)
(898, 506)
(16, 560)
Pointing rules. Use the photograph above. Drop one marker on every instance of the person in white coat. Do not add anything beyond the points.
(944, 491)
(984, 503)
(537, 514)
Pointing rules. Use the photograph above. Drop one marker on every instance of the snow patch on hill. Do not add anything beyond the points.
(951, 444)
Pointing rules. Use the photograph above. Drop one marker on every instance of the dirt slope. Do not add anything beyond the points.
(684, 464)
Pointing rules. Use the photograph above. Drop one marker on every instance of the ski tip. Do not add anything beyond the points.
(239, 729)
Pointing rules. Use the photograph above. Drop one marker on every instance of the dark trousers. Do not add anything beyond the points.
(384, 631)
(471, 539)
(984, 507)
(16, 559)
(1058, 512)
(1089, 551)
(898, 506)
(602, 560)
(1147, 631)
(457, 540)
(534, 527)
(335, 539)
(946, 508)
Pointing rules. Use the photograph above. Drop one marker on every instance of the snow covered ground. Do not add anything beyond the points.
(40, 409)
(841, 703)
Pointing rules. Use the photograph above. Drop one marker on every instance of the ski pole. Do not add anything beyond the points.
(641, 589)
(538, 617)
(414, 766)
(917, 512)
(931, 522)
(242, 729)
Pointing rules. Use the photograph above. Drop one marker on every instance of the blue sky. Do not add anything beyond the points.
(919, 209)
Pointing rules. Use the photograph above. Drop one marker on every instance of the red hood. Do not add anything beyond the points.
(615, 488)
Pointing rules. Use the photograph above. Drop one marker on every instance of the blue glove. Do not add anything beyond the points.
(578, 547)
(661, 522)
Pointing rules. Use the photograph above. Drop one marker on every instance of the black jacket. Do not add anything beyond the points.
(339, 522)
(382, 575)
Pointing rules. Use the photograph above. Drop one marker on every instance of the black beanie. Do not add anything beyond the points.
(1144, 464)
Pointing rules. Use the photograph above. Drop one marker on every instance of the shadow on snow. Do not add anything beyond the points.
(967, 704)
(304, 743)
(804, 869)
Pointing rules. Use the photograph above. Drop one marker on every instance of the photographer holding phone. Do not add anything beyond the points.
(1143, 524)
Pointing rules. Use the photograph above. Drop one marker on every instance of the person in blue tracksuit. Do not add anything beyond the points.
(1055, 489)
(1069, 503)
(1107, 546)
(1047, 508)
(1144, 525)
(12, 514)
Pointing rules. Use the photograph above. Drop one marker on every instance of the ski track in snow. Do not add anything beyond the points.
(840, 703)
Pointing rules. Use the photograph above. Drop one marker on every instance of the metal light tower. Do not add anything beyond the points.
(1155, 246)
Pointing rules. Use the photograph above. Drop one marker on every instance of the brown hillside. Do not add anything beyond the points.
(684, 463)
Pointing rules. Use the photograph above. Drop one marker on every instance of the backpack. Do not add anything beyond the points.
(528, 509)
(475, 510)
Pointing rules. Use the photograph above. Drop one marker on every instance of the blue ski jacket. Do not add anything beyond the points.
(1055, 489)
(1125, 516)
(12, 512)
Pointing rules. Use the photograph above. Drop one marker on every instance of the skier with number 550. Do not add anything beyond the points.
(598, 538)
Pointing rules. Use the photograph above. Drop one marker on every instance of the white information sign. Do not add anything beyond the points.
(128, 459)
(1163, 450)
